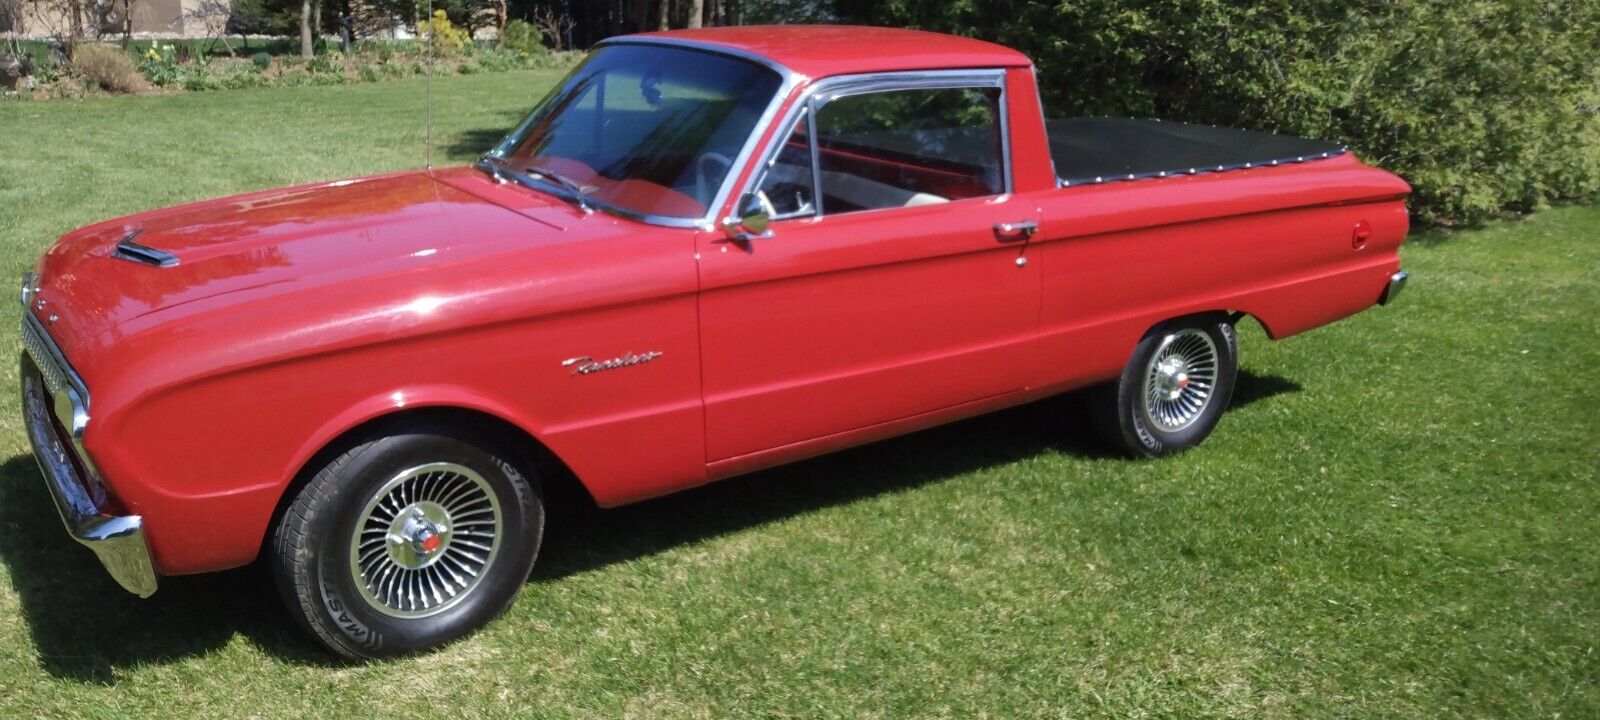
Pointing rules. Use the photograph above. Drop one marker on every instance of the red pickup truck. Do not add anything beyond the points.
(703, 253)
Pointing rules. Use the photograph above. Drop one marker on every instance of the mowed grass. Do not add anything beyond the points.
(1399, 518)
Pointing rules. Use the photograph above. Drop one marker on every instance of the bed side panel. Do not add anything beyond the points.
(1117, 259)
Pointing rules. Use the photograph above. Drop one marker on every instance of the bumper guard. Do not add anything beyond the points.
(1397, 282)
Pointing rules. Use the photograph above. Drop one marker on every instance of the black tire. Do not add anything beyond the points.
(1142, 425)
(313, 541)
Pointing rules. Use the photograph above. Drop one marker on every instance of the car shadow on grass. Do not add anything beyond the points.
(585, 537)
(86, 628)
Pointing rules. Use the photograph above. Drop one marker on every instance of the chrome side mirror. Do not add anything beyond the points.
(751, 217)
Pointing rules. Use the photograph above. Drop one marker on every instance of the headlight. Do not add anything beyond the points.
(30, 287)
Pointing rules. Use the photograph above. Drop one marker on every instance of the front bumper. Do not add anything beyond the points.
(55, 411)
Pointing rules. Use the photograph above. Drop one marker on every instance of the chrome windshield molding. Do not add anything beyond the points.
(117, 540)
(829, 89)
(789, 81)
(782, 70)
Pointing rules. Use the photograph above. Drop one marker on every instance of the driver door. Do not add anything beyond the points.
(894, 282)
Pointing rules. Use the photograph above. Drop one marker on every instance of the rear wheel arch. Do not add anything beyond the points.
(1136, 419)
(1232, 315)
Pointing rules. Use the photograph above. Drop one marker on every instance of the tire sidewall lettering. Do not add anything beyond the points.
(339, 611)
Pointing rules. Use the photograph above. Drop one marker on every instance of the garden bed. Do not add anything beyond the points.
(159, 66)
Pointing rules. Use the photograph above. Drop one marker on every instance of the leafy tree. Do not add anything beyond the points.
(1479, 103)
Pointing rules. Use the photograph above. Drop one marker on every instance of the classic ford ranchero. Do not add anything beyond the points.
(704, 252)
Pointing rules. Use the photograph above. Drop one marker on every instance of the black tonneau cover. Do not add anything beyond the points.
(1091, 150)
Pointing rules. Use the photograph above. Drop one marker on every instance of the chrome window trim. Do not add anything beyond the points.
(816, 162)
(816, 176)
(788, 81)
(833, 88)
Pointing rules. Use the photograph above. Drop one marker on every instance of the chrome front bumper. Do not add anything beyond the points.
(1397, 282)
(55, 411)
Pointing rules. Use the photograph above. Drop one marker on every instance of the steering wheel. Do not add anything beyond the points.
(703, 189)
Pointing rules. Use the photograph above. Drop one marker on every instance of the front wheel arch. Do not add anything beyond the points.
(510, 437)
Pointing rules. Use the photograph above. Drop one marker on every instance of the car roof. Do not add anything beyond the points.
(818, 51)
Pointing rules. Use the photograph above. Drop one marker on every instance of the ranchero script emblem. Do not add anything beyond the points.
(586, 365)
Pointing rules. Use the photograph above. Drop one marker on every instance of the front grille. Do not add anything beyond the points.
(41, 349)
(44, 412)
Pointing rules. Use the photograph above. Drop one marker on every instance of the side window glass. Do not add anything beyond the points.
(909, 147)
(788, 182)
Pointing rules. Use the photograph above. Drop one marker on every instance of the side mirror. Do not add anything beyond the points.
(750, 219)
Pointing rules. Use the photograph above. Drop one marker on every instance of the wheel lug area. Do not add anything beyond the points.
(1178, 379)
(425, 540)
(419, 535)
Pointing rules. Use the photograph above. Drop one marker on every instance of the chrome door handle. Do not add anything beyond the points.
(1023, 230)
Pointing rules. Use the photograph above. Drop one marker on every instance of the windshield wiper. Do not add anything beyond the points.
(499, 171)
(578, 193)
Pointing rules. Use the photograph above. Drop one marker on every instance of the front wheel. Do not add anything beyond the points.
(1173, 390)
(407, 541)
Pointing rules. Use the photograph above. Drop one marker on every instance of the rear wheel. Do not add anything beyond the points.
(407, 541)
(1173, 390)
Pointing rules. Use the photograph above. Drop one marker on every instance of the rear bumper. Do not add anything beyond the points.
(54, 417)
(1397, 282)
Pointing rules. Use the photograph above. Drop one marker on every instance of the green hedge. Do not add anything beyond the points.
(1484, 106)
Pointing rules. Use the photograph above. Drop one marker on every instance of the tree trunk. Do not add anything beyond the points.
(639, 15)
(697, 9)
(75, 26)
(127, 24)
(666, 16)
(305, 29)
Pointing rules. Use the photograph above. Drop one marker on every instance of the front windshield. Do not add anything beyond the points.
(645, 129)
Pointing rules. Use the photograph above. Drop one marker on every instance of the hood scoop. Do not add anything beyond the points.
(131, 251)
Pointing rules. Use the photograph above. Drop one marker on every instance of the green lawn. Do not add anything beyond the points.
(1399, 518)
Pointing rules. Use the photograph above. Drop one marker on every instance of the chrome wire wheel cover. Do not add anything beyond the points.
(425, 539)
(1180, 378)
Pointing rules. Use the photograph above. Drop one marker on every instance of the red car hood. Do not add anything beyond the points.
(247, 241)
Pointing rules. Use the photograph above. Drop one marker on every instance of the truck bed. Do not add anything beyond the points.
(1105, 149)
